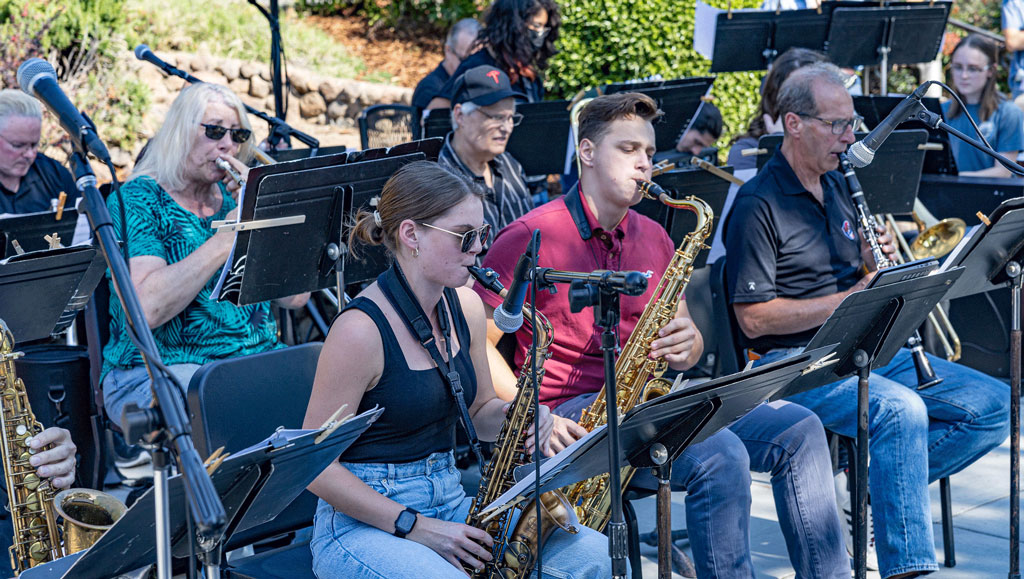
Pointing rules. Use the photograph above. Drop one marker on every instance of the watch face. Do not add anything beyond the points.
(405, 522)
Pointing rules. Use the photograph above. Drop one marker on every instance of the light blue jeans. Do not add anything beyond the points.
(344, 547)
(916, 437)
(780, 438)
(121, 387)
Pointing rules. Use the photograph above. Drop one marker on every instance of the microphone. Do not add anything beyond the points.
(508, 317)
(862, 152)
(143, 52)
(37, 78)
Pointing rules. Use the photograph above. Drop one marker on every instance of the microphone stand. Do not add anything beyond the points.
(1014, 272)
(274, 19)
(602, 292)
(167, 421)
(535, 252)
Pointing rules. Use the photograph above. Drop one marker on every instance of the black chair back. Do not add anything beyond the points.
(240, 401)
(728, 354)
(383, 126)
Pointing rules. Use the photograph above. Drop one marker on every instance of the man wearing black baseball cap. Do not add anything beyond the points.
(483, 116)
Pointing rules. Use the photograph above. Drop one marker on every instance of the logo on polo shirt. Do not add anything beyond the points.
(649, 274)
(750, 286)
(848, 231)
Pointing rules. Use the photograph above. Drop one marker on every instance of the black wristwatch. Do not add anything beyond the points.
(405, 522)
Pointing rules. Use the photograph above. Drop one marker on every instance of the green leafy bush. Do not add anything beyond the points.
(605, 41)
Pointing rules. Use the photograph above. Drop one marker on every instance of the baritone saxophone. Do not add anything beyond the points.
(514, 554)
(639, 378)
(37, 537)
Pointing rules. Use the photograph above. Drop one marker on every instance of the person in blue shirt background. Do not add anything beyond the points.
(973, 75)
(1013, 31)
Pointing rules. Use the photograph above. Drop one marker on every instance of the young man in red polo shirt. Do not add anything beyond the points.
(592, 227)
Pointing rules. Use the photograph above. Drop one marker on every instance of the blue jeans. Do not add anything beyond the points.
(780, 438)
(916, 437)
(121, 387)
(345, 547)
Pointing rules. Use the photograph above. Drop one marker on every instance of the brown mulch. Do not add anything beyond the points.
(407, 61)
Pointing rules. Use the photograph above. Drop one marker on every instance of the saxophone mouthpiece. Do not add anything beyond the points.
(650, 189)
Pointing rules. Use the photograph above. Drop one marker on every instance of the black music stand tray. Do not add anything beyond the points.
(255, 484)
(29, 230)
(679, 222)
(36, 288)
(541, 141)
(284, 155)
(870, 326)
(437, 123)
(896, 33)
(752, 39)
(992, 255)
(662, 428)
(293, 230)
(890, 182)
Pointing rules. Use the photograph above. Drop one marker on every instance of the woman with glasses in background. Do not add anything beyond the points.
(163, 215)
(972, 70)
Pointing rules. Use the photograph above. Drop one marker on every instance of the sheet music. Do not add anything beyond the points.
(231, 268)
(705, 21)
(551, 465)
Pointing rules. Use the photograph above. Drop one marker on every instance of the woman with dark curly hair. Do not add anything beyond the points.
(519, 38)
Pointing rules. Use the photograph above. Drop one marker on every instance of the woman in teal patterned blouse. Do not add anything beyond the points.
(165, 211)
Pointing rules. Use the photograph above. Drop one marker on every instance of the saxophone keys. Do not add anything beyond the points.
(39, 551)
(32, 500)
(31, 482)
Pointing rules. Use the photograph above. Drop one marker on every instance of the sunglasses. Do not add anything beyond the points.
(468, 238)
(216, 133)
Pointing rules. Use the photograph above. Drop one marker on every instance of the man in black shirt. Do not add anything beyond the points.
(483, 118)
(794, 253)
(456, 48)
(29, 180)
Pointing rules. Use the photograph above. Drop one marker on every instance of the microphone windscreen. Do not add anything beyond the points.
(140, 51)
(31, 71)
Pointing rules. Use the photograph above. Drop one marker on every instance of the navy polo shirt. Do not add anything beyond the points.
(430, 87)
(43, 183)
(780, 242)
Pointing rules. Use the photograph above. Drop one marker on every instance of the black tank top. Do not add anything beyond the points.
(420, 414)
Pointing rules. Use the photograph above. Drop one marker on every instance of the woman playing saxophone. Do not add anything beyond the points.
(393, 506)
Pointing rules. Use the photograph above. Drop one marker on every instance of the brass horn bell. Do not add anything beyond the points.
(939, 239)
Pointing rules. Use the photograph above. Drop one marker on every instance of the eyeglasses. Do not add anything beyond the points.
(838, 126)
(216, 133)
(468, 238)
(514, 118)
(21, 147)
(969, 69)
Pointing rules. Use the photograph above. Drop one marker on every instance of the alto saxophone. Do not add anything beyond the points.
(37, 537)
(639, 378)
(514, 554)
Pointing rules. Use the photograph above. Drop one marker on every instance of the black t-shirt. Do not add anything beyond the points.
(533, 89)
(430, 87)
(44, 181)
(780, 242)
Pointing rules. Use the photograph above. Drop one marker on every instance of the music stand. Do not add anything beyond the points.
(896, 33)
(284, 155)
(293, 231)
(890, 182)
(35, 288)
(679, 100)
(437, 123)
(672, 422)
(679, 222)
(875, 108)
(992, 254)
(870, 326)
(254, 484)
(751, 39)
(539, 142)
(29, 230)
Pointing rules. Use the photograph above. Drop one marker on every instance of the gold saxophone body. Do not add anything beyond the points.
(639, 378)
(514, 554)
(37, 536)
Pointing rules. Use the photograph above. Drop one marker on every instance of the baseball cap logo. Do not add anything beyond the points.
(494, 75)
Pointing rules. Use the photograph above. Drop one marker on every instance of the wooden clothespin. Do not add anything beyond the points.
(214, 460)
(61, 200)
(728, 11)
(332, 424)
(54, 240)
(17, 247)
(707, 98)
(984, 219)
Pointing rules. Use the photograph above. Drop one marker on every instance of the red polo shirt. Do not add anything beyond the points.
(571, 239)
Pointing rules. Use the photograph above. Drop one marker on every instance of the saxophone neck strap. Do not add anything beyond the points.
(396, 289)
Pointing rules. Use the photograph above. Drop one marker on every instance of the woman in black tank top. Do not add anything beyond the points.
(393, 506)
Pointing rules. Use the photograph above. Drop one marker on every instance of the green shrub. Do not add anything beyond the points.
(605, 41)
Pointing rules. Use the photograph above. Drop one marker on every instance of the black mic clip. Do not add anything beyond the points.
(588, 289)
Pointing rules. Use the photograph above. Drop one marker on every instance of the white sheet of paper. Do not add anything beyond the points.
(705, 19)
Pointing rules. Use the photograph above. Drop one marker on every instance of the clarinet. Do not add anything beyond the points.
(925, 374)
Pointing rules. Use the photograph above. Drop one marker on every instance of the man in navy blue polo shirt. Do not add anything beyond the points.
(794, 253)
